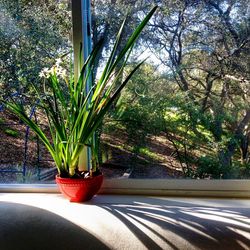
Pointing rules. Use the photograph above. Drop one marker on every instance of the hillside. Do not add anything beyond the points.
(121, 157)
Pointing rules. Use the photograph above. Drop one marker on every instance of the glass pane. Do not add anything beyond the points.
(33, 35)
(186, 112)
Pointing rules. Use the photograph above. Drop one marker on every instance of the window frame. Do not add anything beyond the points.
(160, 187)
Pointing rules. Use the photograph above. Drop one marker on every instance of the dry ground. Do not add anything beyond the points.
(120, 160)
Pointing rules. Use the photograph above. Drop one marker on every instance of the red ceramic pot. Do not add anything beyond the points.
(79, 190)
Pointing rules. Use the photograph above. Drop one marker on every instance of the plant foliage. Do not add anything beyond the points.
(74, 116)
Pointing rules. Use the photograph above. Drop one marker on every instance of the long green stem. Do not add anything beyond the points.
(73, 116)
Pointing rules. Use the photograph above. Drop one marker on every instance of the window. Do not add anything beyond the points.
(186, 112)
(184, 115)
(33, 35)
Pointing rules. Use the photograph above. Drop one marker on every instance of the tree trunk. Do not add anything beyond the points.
(225, 156)
(244, 143)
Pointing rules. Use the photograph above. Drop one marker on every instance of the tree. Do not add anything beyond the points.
(205, 44)
(32, 34)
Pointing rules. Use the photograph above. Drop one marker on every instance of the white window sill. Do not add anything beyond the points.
(162, 187)
(48, 221)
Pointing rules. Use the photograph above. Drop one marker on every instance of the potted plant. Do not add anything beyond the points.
(73, 115)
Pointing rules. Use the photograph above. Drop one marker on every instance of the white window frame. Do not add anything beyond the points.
(160, 187)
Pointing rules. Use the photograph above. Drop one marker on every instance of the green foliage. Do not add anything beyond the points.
(11, 132)
(206, 55)
(210, 167)
(145, 116)
(74, 116)
(2, 121)
(8, 131)
(200, 94)
(144, 151)
(243, 170)
(32, 34)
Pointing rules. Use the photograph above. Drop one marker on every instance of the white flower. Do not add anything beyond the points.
(45, 72)
(58, 61)
(55, 69)
(41, 74)
(64, 73)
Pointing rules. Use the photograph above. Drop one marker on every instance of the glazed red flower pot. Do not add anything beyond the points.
(79, 190)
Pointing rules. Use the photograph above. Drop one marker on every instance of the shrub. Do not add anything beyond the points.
(210, 167)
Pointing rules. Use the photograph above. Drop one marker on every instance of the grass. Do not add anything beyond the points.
(2, 121)
(146, 152)
(11, 132)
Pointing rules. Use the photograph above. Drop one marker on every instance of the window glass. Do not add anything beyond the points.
(33, 35)
(186, 112)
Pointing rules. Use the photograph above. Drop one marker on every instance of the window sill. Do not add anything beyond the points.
(48, 221)
(160, 187)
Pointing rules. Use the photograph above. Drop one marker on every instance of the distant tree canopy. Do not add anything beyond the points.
(32, 34)
(203, 48)
(206, 46)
